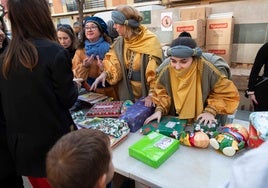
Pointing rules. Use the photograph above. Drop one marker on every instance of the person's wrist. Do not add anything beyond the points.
(159, 109)
(210, 110)
(250, 92)
(107, 74)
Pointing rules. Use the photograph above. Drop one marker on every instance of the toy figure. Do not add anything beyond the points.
(229, 139)
(194, 139)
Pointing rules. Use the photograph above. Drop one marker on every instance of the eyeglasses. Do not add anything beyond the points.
(92, 28)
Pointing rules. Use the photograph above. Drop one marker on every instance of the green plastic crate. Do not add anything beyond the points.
(154, 149)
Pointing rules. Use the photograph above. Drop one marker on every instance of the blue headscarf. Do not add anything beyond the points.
(100, 48)
(100, 23)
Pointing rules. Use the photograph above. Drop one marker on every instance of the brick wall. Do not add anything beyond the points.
(57, 6)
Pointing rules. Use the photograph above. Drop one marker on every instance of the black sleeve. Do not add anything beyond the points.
(260, 60)
(62, 75)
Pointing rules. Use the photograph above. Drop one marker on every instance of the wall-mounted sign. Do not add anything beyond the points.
(166, 21)
(146, 17)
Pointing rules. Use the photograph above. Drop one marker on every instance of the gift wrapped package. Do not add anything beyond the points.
(169, 125)
(258, 128)
(154, 149)
(116, 129)
(136, 114)
(105, 109)
(92, 97)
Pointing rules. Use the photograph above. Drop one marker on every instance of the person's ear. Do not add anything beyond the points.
(101, 183)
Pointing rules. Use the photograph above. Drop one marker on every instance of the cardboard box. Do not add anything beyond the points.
(154, 149)
(223, 50)
(194, 13)
(244, 103)
(196, 28)
(219, 31)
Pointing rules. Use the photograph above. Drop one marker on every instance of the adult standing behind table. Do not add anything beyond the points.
(36, 88)
(66, 38)
(258, 83)
(8, 176)
(192, 87)
(87, 61)
(134, 56)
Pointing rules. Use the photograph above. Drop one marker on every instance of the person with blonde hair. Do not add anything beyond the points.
(133, 58)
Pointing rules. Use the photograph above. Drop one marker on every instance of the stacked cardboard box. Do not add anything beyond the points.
(219, 36)
(194, 13)
(196, 28)
(192, 20)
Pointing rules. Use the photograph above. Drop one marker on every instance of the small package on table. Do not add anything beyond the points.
(258, 128)
(154, 149)
(105, 109)
(136, 114)
(92, 97)
(116, 129)
(169, 125)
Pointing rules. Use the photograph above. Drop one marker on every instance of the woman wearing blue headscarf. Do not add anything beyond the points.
(87, 61)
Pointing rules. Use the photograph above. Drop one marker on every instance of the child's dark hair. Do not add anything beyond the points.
(184, 41)
(78, 159)
(185, 34)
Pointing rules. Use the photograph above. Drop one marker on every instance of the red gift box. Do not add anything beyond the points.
(105, 109)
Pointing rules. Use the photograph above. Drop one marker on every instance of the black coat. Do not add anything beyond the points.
(8, 177)
(36, 106)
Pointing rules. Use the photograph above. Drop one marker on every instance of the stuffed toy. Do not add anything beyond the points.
(194, 139)
(229, 139)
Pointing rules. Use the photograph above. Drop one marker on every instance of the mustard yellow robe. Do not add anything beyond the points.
(145, 43)
(213, 91)
(79, 70)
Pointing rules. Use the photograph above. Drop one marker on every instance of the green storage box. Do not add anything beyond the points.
(154, 149)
